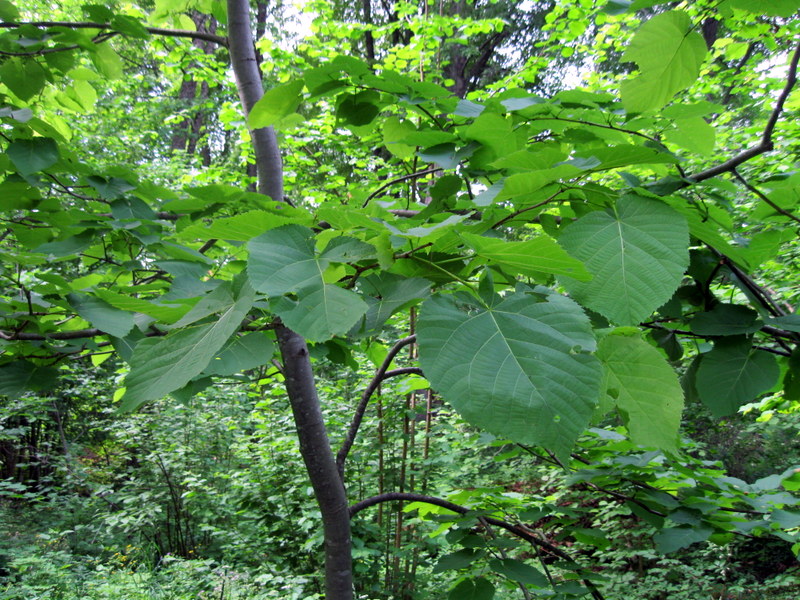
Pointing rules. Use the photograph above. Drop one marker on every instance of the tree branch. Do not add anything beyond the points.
(179, 33)
(766, 143)
(399, 180)
(764, 197)
(519, 530)
(358, 416)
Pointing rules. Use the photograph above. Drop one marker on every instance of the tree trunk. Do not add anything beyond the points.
(300, 386)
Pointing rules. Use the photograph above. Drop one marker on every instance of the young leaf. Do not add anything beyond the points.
(644, 388)
(669, 54)
(275, 104)
(520, 369)
(529, 258)
(637, 254)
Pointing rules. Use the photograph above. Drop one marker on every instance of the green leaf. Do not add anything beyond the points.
(786, 519)
(358, 109)
(530, 258)
(493, 131)
(24, 78)
(394, 133)
(520, 369)
(242, 353)
(386, 293)
(516, 570)
(102, 315)
(787, 322)
(460, 559)
(693, 134)
(674, 538)
(162, 312)
(734, 373)
(162, 365)
(472, 589)
(107, 61)
(637, 254)
(343, 249)
(283, 260)
(320, 313)
(774, 8)
(240, 228)
(644, 388)
(21, 376)
(8, 12)
(669, 54)
(726, 319)
(276, 104)
(36, 154)
(613, 157)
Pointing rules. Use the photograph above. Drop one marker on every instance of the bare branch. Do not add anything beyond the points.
(399, 180)
(358, 416)
(519, 530)
(179, 33)
(766, 143)
(764, 197)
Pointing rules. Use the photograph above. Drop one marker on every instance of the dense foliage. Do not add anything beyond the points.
(500, 302)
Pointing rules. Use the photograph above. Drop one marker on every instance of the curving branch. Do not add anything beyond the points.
(399, 180)
(358, 416)
(179, 33)
(519, 530)
(766, 144)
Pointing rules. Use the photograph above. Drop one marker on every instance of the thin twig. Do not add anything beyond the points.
(764, 197)
(401, 179)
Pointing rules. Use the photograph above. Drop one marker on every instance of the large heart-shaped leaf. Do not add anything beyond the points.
(636, 252)
(644, 388)
(33, 155)
(520, 368)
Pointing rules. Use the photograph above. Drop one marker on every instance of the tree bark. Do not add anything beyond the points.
(300, 386)
(248, 83)
(320, 464)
